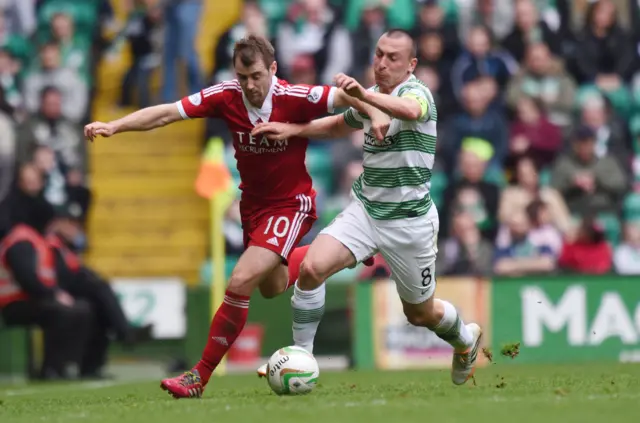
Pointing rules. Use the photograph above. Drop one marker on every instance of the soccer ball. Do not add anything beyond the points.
(292, 371)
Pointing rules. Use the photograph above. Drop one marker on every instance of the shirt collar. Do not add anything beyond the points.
(261, 113)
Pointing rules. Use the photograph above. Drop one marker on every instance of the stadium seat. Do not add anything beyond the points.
(439, 183)
(611, 225)
(84, 13)
(320, 168)
(631, 208)
(545, 177)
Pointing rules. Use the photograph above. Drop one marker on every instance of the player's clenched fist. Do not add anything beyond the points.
(350, 86)
(94, 129)
(276, 130)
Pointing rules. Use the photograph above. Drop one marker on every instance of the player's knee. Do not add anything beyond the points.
(242, 282)
(311, 274)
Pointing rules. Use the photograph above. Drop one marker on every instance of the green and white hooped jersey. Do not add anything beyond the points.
(397, 172)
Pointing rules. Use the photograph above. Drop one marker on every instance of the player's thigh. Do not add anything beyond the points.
(254, 265)
(346, 241)
(410, 252)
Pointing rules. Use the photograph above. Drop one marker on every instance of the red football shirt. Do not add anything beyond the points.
(269, 170)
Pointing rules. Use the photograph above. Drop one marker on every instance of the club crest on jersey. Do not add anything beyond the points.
(315, 94)
(195, 99)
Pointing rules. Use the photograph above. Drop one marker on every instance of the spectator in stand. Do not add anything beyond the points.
(587, 182)
(15, 43)
(430, 54)
(544, 78)
(589, 252)
(303, 71)
(181, 28)
(611, 134)
(9, 69)
(75, 53)
(312, 28)
(471, 193)
(431, 19)
(529, 29)
(20, 16)
(496, 15)
(532, 135)
(372, 26)
(51, 73)
(50, 128)
(252, 22)
(627, 255)
(465, 252)
(481, 60)
(525, 189)
(543, 230)
(605, 54)
(140, 31)
(521, 255)
(7, 164)
(476, 121)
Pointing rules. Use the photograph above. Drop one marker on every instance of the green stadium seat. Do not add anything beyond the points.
(439, 182)
(320, 168)
(611, 225)
(545, 177)
(495, 176)
(84, 13)
(631, 208)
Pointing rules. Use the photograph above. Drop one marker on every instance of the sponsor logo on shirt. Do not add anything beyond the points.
(195, 99)
(315, 94)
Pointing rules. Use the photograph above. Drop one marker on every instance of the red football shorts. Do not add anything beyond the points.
(278, 227)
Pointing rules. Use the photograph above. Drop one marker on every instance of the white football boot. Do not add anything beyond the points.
(464, 363)
(262, 371)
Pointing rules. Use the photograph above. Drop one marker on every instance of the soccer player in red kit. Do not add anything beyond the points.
(278, 200)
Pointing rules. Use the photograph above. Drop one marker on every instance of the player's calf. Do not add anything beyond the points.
(442, 318)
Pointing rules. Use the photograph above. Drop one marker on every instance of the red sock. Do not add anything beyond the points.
(295, 260)
(225, 328)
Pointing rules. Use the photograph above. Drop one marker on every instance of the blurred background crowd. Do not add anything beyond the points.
(538, 104)
(537, 168)
(538, 121)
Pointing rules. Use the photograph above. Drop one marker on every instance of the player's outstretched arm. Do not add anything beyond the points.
(142, 120)
(404, 108)
(329, 127)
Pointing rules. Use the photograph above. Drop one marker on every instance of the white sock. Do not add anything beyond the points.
(308, 308)
(452, 329)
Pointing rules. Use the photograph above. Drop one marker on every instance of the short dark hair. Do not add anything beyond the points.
(253, 48)
(399, 32)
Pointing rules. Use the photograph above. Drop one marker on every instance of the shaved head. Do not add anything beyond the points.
(402, 34)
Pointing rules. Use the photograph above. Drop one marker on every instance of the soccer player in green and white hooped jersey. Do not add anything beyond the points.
(391, 211)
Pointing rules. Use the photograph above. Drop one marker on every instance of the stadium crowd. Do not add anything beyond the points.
(538, 162)
(538, 121)
(49, 50)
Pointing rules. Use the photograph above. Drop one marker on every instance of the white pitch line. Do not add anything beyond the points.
(70, 387)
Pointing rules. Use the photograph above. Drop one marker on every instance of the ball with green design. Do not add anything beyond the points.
(292, 371)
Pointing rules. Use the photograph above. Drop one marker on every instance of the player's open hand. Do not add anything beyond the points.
(275, 131)
(350, 86)
(92, 130)
(380, 123)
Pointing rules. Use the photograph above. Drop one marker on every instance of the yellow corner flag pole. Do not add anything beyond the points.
(214, 184)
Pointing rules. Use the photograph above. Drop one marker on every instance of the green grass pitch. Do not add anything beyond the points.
(503, 393)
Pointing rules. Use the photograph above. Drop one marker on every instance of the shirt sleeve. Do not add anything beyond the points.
(315, 100)
(205, 103)
(353, 118)
(421, 94)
